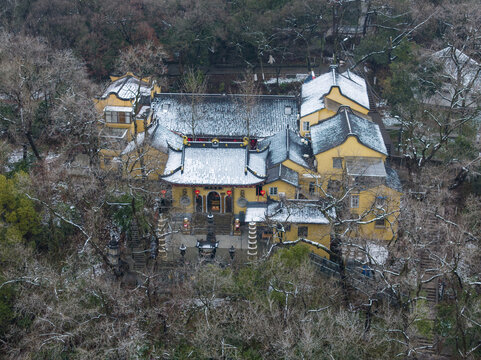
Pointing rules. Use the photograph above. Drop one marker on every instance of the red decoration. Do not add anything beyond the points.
(197, 192)
(163, 192)
(263, 192)
(229, 192)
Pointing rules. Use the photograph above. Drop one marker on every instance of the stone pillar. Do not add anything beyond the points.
(161, 229)
(252, 242)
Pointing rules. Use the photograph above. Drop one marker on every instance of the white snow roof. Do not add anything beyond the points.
(334, 131)
(215, 166)
(296, 212)
(458, 68)
(160, 139)
(351, 85)
(127, 88)
(225, 115)
(118, 108)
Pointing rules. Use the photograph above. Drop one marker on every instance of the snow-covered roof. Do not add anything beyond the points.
(362, 166)
(351, 85)
(295, 212)
(392, 179)
(225, 115)
(457, 68)
(118, 108)
(334, 131)
(220, 165)
(285, 145)
(160, 139)
(127, 88)
(114, 133)
(280, 172)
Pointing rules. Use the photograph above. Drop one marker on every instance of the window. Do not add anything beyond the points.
(380, 201)
(354, 201)
(312, 188)
(117, 117)
(302, 231)
(337, 163)
(380, 223)
(165, 107)
(273, 191)
(288, 110)
(258, 190)
(306, 126)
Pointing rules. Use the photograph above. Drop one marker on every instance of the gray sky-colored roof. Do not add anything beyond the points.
(334, 131)
(215, 166)
(127, 88)
(285, 145)
(225, 115)
(280, 172)
(351, 85)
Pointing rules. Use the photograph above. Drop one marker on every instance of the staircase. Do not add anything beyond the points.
(138, 254)
(222, 222)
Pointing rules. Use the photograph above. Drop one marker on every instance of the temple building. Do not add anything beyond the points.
(272, 160)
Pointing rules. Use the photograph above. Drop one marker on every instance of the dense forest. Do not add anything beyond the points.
(62, 298)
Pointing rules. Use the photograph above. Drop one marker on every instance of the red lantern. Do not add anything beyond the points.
(197, 192)
(229, 192)
(263, 192)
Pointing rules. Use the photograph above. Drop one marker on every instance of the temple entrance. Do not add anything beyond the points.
(199, 203)
(213, 202)
(228, 204)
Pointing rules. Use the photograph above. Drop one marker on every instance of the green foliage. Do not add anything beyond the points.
(293, 257)
(17, 213)
(7, 313)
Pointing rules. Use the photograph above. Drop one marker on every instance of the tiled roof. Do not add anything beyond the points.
(215, 166)
(334, 131)
(280, 172)
(392, 179)
(127, 88)
(295, 212)
(285, 145)
(351, 85)
(224, 115)
(160, 139)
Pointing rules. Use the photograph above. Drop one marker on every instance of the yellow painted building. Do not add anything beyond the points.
(125, 110)
(322, 97)
(351, 160)
(291, 220)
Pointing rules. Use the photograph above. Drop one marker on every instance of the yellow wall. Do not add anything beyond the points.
(369, 209)
(350, 148)
(319, 233)
(282, 187)
(154, 163)
(249, 194)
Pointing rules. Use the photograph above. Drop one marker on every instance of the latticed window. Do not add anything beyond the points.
(337, 163)
(302, 231)
(354, 201)
(273, 191)
(117, 117)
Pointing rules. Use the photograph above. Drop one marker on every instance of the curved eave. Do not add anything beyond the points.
(360, 142)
